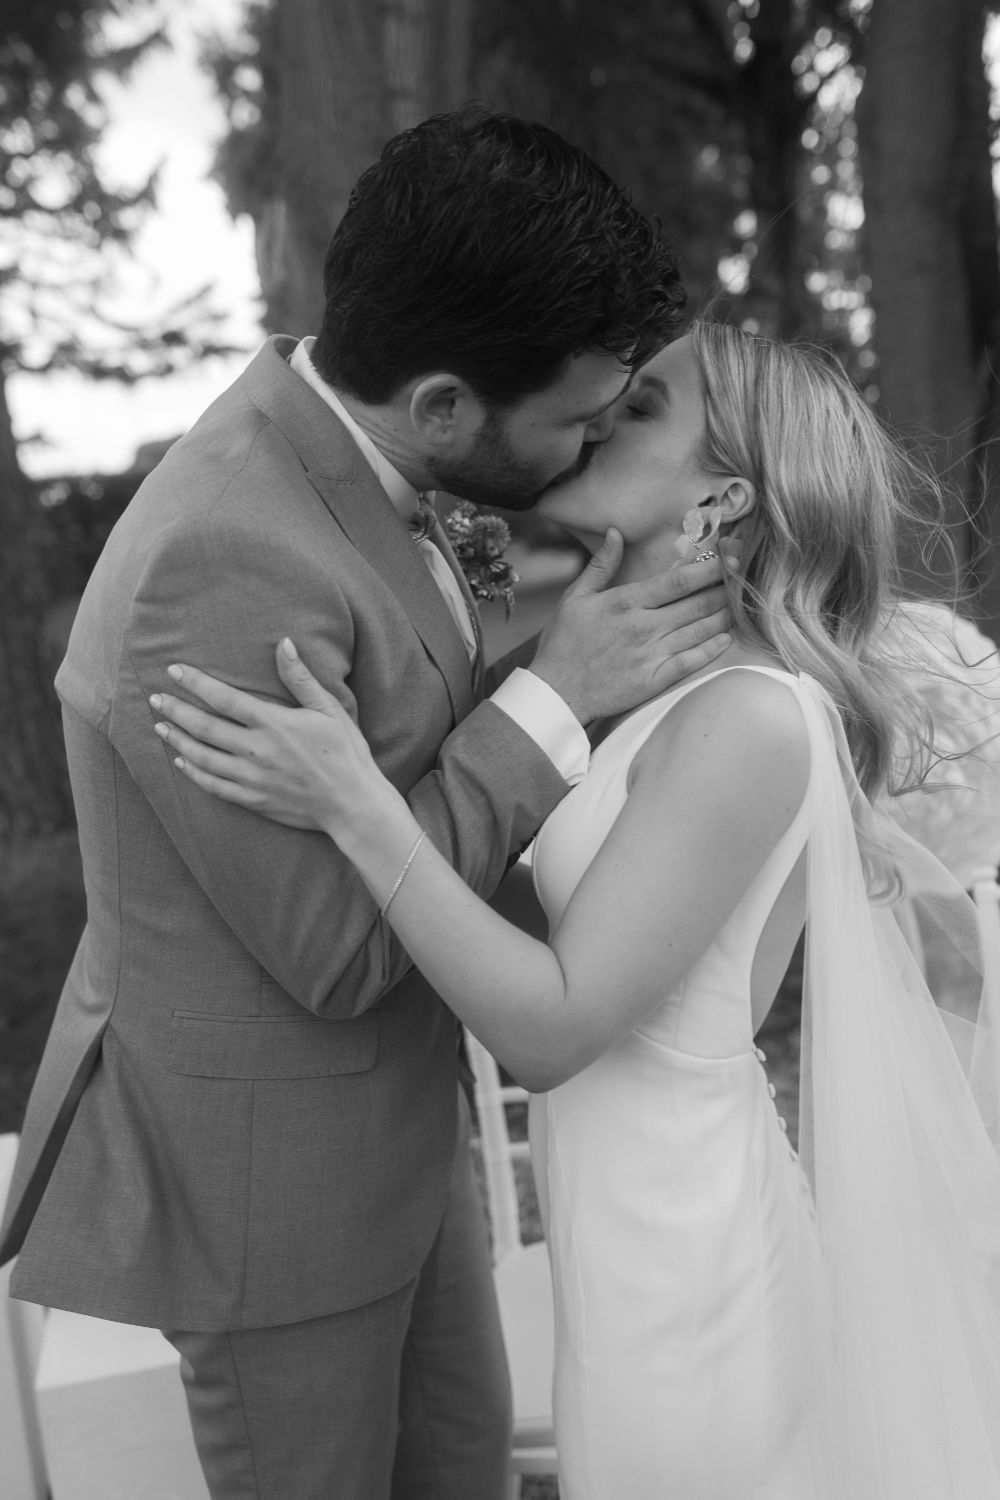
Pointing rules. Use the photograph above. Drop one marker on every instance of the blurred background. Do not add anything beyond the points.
(170, 176)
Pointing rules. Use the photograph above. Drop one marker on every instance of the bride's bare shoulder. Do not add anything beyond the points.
(738, 722)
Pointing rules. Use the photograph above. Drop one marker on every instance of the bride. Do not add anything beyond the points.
(732, 1323)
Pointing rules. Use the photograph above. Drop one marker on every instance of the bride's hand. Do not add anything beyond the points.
(307, 767)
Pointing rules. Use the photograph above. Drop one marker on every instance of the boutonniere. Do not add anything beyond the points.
(479, 542)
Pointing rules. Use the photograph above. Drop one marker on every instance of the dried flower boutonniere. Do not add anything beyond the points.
(479, 541)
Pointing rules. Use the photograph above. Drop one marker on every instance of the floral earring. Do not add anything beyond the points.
(701, 531)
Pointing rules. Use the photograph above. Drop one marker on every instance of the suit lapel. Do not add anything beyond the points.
(365, 514)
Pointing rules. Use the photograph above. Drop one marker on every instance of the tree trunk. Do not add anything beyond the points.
(329, 117)
(911, 133)
(426, 59)
(351, 74)
(34, 788)
(773, 115)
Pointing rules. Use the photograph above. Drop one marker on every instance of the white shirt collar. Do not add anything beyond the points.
(402, 494)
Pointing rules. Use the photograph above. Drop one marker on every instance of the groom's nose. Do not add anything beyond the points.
(601, 428)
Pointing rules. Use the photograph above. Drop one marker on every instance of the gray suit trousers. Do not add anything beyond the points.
(406, 1398)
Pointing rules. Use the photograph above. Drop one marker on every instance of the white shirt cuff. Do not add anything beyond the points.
(541, 713)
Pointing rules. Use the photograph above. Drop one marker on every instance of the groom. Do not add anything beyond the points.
(247, 1128)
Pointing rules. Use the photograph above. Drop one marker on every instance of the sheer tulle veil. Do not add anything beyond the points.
(899, 1131)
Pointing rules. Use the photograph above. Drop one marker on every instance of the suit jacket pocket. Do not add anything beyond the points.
(207, 1046)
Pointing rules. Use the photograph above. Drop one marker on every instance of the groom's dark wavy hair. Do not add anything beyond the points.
(489, 246)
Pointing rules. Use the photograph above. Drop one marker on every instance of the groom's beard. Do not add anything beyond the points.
(491, 473)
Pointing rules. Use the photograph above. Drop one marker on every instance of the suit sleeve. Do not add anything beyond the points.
(290, 897)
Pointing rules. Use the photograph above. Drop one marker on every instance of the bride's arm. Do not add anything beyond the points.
(711, 793)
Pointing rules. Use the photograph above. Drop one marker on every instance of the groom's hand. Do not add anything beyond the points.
(609, 648)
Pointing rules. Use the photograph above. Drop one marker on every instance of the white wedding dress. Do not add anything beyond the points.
(716, 1339)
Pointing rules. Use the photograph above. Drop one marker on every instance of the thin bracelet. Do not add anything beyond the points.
(402, 874)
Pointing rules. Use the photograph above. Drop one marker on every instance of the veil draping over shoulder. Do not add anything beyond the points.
(899, 1135)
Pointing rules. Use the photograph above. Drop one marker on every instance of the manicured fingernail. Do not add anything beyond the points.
(176, 673)
(289, 649)
(155, 700)
(732, 563)
(162, 730)
(179, 762)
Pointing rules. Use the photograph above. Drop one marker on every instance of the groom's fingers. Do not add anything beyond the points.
(673, 669)
(698, 582)
(685, 636)
(601, 569)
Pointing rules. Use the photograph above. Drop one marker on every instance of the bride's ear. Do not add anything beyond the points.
(736, 498)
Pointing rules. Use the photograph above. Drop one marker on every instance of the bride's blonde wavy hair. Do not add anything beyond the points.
(819, 578)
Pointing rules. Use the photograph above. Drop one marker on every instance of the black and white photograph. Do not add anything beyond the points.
(500, 750)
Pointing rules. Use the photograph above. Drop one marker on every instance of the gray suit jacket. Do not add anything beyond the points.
(246, 1108)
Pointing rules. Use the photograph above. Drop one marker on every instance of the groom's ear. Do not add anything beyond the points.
(444, 411)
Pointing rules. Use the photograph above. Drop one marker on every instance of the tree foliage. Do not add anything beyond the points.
(66, 233)
(67, 230)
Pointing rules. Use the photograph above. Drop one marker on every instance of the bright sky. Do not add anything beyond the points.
(166, 112)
